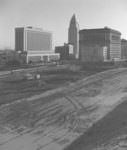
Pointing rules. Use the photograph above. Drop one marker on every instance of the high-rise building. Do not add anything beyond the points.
(34, 43)
(99, 44)
(73, 35)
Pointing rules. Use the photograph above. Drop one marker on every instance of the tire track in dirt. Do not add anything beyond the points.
(73, 100)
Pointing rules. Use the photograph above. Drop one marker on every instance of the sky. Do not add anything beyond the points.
(55, 15)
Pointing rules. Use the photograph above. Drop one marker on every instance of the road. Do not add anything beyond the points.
(54, 119)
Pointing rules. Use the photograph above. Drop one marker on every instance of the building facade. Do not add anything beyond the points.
(124, 49)
(73, 35)
(94, 54)
(99, 44)
(34, 44)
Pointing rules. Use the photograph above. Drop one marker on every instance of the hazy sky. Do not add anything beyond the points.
(54, 15)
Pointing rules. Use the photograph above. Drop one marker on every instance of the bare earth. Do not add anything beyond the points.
(54, 119)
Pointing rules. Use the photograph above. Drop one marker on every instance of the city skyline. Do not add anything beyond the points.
(55, 15)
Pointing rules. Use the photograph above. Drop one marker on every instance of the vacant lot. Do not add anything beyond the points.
(54, 119)
(110, 133)
(16, 87)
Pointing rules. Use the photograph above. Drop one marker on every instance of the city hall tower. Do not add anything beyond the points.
(73, 35)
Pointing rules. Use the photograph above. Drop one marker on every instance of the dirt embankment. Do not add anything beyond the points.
(110, 133)
(52, 120)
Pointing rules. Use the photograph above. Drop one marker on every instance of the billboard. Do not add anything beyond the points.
(39, 41)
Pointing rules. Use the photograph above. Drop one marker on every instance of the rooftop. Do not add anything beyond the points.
(105, 29)
(31, 27)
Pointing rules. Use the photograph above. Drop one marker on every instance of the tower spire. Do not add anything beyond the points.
(73, 19)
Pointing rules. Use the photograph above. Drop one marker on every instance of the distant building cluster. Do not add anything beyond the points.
(86, 45)
(94, 45)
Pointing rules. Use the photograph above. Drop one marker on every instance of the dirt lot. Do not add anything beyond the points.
(110, 133)
(16, 87)
(53, 119)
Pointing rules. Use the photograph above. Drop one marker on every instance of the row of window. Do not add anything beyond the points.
(98, 37)
(115, 38)
(94, 37)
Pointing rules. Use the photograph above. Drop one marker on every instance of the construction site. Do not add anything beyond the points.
(63, 107)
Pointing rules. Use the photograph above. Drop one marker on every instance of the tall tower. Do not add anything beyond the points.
(73, 35)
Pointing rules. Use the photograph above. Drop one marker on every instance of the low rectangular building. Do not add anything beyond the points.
(65, 51)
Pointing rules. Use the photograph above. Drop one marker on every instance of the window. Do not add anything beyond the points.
(115, 37)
